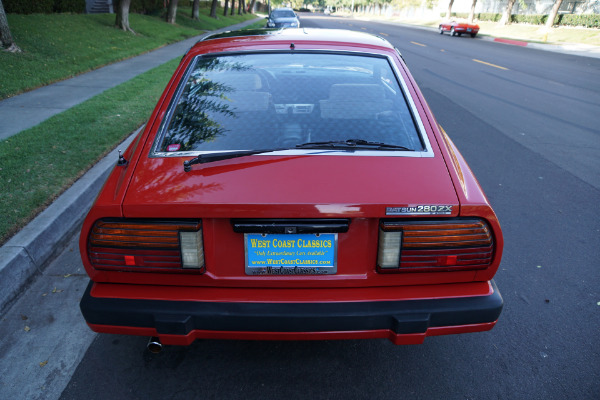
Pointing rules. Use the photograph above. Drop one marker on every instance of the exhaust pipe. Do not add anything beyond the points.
(154, 345)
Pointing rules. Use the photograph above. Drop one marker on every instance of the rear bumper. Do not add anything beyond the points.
(465, 30)
(181, 322)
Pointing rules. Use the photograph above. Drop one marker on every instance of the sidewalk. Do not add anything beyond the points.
(29, 109)
(30, 250)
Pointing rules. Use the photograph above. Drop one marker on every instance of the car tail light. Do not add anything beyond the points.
(146, 246)
(425, 246)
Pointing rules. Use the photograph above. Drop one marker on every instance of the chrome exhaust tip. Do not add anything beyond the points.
(154, 345)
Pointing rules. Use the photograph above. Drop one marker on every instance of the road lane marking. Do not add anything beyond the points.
(384, 34)
(419, 44)
(491, 65)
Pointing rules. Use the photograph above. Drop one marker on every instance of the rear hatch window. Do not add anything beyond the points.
(280, 100)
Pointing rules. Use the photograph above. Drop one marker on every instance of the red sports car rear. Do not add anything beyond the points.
(291, 184)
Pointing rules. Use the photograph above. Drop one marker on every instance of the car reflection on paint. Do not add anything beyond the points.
(457, 28)
(291, 185)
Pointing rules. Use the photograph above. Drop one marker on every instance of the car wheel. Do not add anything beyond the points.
(441, 30)
(452, 33)
(473, 34)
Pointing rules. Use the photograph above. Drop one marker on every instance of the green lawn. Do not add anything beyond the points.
(40, 163)
(59, 46)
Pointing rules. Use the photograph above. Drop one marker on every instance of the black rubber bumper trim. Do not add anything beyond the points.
(401, 317)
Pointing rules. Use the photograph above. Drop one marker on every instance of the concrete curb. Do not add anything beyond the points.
(26, 253)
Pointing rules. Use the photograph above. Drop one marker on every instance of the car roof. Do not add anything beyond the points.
(299, 35)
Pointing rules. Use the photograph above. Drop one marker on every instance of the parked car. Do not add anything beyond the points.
(283, 18)
(458, 28)
(291, 184)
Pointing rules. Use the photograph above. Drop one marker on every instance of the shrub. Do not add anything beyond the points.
(585, 20)
(43, 6)
(69, 6)
(533, 19)
(28, 6)
(146, 6)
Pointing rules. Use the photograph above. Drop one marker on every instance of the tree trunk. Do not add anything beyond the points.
(505, 20)
(449, 12)
(172, 11)
(553, 13)
(251, 8)
(213, 9)
(472, 13)
(122, 14)
(232, 7)
(196, 10)
(240, 6)
(226, 8)
(6, 38)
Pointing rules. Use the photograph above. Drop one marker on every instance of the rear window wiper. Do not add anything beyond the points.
(352, 144)
(224, 155)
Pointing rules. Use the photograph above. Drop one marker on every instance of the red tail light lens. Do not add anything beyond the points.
(424, 246)
(146, 246)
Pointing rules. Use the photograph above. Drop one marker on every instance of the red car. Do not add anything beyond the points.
(293, 185)
(458, 28)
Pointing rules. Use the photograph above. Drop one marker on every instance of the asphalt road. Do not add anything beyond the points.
(530, 133)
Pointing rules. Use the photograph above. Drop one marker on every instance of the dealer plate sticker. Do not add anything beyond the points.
(291, 254)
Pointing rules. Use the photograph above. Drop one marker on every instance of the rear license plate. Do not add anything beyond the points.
(469, 29)
(291, 254)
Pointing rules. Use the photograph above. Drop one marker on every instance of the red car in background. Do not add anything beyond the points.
(291, 184)
(458, 28)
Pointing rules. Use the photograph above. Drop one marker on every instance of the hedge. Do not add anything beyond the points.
(43, 6)
(585, 20)
(146, 6)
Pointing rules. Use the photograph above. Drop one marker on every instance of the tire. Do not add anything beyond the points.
(473, 35)
(452, 33)
(441, 30)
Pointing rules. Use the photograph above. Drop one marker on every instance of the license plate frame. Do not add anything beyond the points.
(290, 254)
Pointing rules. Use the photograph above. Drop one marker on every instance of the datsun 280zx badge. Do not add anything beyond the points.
(419, 210)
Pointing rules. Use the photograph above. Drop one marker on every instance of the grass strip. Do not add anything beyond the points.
(38, 164)
(60, 46)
